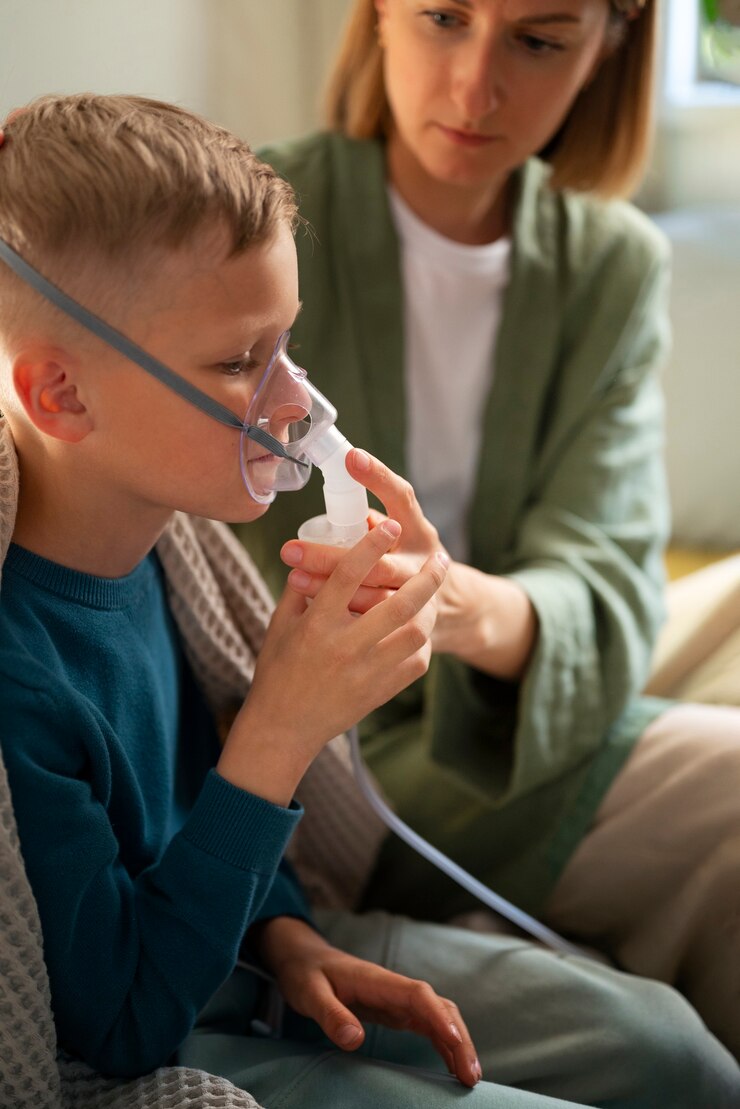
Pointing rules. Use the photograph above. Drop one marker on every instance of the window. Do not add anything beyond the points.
(702, 58)
(719, 41)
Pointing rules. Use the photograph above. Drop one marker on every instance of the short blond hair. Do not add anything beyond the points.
(603, 143)
(94, 183)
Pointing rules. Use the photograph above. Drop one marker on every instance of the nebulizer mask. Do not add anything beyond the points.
(286, 407)
(289, 426)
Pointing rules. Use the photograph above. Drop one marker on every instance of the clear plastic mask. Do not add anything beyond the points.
(289, 409)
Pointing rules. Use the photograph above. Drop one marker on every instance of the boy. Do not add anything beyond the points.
(128, 621)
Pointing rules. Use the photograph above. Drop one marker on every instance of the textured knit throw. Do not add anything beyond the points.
(222, 608)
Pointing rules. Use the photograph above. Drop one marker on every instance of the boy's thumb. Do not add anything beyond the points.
(344, 1029)
(336, 1021)
(290, 604)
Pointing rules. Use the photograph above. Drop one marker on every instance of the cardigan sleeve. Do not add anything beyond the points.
(589, 555)
(588, 552)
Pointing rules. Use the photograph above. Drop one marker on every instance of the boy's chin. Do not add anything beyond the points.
(248, 511)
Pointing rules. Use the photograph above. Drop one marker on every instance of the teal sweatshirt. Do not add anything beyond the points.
(146, 865)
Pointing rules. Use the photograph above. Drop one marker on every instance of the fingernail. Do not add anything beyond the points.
(347, 1034)
(291, 555)
(477, 1072)
(299, 578)
(456, 1033)
(443, 558)
(392, 528)
(361, 459)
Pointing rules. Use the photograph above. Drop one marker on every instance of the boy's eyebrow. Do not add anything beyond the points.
(297, 314)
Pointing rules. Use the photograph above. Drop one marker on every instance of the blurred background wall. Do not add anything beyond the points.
(257, 67)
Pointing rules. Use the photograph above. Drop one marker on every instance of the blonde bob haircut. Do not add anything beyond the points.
(603, 143)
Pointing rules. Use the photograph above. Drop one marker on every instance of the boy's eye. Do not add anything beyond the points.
(239, 366)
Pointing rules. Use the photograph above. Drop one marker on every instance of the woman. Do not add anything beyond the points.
(493, 332)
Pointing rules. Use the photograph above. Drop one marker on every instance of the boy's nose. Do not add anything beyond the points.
(284, 417)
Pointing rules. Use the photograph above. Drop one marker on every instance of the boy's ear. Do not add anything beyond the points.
(44, 384)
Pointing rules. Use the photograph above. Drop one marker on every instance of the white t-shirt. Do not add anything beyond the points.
(452, 307)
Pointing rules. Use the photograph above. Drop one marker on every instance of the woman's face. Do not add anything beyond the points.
(477, 86)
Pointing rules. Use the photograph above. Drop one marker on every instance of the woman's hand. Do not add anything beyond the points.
(321, 669)
(338, 990)
(419, 539)
(485, 620)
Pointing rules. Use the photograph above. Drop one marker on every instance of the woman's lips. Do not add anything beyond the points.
(466, 138)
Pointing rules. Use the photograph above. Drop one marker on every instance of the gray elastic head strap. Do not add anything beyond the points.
(135, 353)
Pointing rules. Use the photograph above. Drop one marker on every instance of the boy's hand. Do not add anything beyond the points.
(338, 990)
(321, 668)
(419, 539)
(485, 620)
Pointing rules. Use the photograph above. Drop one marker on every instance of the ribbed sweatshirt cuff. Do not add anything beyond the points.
(239, 828)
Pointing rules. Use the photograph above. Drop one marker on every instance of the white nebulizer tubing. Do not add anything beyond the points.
(343, 525)
(458, 874)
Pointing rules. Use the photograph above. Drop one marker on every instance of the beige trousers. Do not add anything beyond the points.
(656, 882)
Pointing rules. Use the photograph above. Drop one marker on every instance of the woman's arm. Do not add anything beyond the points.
(581, 591)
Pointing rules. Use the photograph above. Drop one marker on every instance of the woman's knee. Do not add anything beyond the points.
(672, 1057)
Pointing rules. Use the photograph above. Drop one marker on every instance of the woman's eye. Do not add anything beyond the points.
(444, 20)
(536, 45)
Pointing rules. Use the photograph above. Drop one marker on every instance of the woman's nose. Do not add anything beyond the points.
(477, 82)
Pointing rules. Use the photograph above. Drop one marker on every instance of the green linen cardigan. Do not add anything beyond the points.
(569, 501)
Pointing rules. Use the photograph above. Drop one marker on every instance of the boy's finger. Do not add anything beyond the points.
(451, 1031)
(336, 1021)
(408, 601)
(308, 585)
(443, 1023)
(461, 1063)
(289, 605)
(320, 560)
(415, 1004)
(315, 558)
(355, 565)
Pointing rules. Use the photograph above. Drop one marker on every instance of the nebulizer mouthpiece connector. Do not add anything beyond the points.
(345, 520)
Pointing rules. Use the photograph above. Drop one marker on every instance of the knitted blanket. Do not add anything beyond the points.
(31, 1075)
(222, 609)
